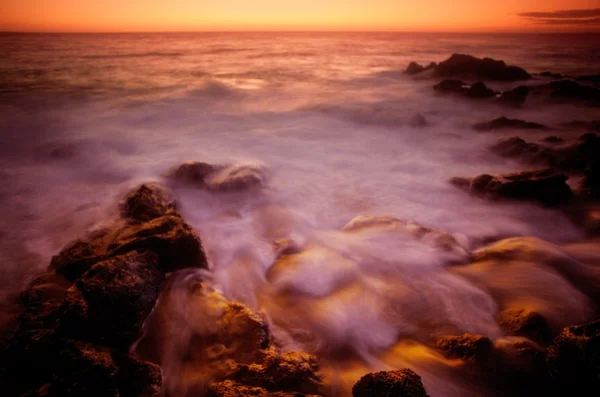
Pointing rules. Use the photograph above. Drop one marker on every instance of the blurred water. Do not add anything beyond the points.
(83, 118)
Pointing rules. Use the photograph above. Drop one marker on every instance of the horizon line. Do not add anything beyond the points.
(302, 31)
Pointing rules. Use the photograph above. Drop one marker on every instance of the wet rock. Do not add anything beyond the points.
(545, 186)
(578, 156)
(148, 202)
(138, 378)
(574, 360)
(515, 97)
(467, 66)
(515, 147)
(289, 372)
(567, 91)
(475, 91)
(230, 388)
(220, 178)
(526, 323)
(553, 139)
(467, 347)
(388, 224)
(173, 240)
(109, 303)
(400, 383)
(193, 173)
(506, 123)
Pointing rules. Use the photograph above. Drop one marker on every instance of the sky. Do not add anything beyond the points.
(234, 15)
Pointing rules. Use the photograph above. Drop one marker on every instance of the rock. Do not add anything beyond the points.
(553, 139)
(459, 65)
(400, 383)
(567, 91)
(230, 388)
(475, 91)
(591, 78)
(515, 97)
(173, 240)
(148, 202)
(414, 68)
(515, 147)
(591, 182)
(109, 303)
(529, 324)
(193, 173)
(506, 123)
(591, 126)
(545, 186)
(138, 378)
(574, 360)
(219, 178)
(467, 347)
(551, 75)
(578, 156)
(289, 372)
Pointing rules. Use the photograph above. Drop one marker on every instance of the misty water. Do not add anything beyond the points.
(332, 119)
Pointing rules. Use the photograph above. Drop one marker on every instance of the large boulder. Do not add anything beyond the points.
(574, 360)
(467, 66)
(109, 303)
(148, 202)
(474, 91)
(506, 123)
(169, 237)
(399, 383)
(545, 186)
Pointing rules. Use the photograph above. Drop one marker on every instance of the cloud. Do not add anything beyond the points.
(565, 17)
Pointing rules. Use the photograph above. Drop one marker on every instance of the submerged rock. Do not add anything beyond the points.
(219, 178)
(550, 75)
(515, 97)
(515, 147)
(148, 202)
(526, 323)
(574, 360)
(567, 91)
(475, 91)
(545, 186)
(506, 123)
(467, 347)
(193, 173)
(459, 65)
(399, 383)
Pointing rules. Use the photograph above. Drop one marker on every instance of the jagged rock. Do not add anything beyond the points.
(400, 383)
(506, 123)
(574, 360)
(467, 347)
(475, 91)
(173, 240)
(218, 178)
(545, 186)
(459, 65)
(522, 322)
(288, 372)
(515, 97)
(109, 303)
(148, 202)
(414, 68)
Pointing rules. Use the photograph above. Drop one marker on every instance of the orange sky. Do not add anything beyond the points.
(202, 15)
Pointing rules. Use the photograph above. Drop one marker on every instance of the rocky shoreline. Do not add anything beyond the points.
(95, 323)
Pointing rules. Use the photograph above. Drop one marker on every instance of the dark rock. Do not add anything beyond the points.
(414, 68)
(173, 240)
(467, 347)
(506, 123)
(475, 91)
(110, 302)
(467, 66)
(591, 126)
(551, 75)
(148, 202)
(515, 147)
(553, 139)
(567, 91)
(574, 360)
(193, 173)
(229, 178)
(400, 383)
(576, 157)
(591, 78)
(138, 378)
(545, 186)
(515, 97)
(591, 182)
(521, 322)
(290, 372)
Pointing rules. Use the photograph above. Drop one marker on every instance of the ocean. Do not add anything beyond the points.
(86, 117)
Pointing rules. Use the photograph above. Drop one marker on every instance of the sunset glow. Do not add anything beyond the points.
(222, 15)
